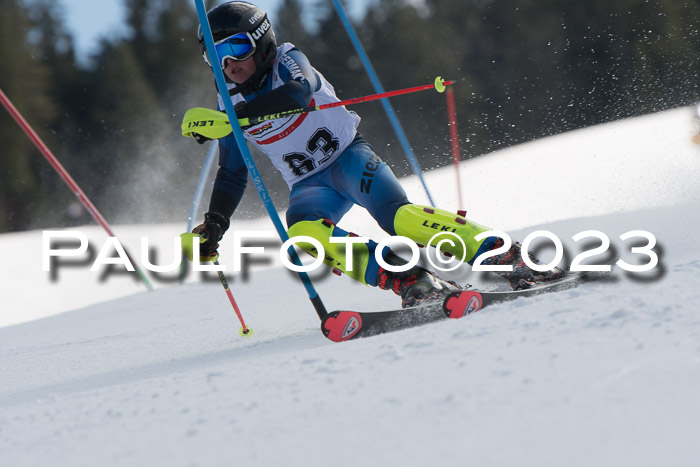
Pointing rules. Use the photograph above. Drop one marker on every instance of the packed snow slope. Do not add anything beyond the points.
(606, 374)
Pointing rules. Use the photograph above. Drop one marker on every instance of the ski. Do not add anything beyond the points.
(344, 325)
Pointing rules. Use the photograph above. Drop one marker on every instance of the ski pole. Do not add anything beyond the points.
(245, 330)
(439, 85)
(214, 124)
(187, 242)
(65, 176)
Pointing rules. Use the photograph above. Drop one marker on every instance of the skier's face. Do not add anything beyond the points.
(239, 72)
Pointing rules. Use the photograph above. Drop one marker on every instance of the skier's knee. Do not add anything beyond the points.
(334, 254)
(386, 215)
(319, 229)
(422, 223)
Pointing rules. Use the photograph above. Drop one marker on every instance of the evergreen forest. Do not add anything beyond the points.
(524, 69)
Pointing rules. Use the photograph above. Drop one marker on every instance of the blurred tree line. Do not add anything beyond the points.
(524, 69)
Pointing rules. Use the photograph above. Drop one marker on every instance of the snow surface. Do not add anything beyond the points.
(606, 374)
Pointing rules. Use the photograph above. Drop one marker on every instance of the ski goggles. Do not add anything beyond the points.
(237, 47)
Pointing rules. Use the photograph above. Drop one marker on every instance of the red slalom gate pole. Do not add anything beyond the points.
(63, 173)
(454, 139)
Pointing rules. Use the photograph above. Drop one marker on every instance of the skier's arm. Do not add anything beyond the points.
(229, 186)
(231, 179)
(301, 81)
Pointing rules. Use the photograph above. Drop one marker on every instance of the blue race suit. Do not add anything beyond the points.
(354, 176)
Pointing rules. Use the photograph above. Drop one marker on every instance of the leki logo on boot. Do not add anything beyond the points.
(438, 226)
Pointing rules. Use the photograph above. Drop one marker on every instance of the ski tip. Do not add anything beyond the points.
(340, 326)
(459, 304)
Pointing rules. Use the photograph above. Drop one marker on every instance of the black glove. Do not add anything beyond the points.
(212, 230)
(242, 112)
(199, 138)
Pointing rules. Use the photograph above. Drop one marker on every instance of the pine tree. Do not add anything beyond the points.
(24, 79)
(289, 26)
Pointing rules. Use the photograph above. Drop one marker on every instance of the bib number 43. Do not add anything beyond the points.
(302, 163)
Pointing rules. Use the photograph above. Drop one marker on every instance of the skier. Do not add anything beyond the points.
(326, 163)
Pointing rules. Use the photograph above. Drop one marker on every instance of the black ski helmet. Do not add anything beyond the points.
(232, 18)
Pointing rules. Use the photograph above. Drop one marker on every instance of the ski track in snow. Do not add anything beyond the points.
(605, 374)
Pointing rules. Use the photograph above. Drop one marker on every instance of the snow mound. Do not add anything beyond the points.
(606, 374)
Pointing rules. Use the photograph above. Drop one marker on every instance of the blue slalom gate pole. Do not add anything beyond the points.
(196, 199)
(248, 158)
(379, 89)
(211, 154)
